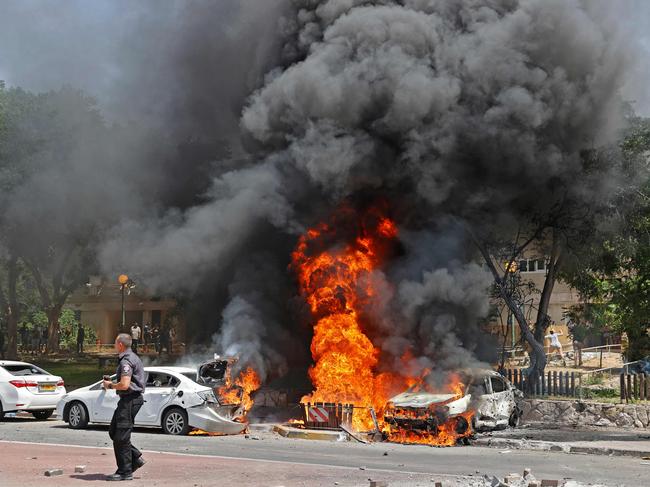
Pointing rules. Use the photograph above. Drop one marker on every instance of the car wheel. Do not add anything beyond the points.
(2, 412)
(461, 425)
(43, 415)
(515, 417)
(175, 422)
(77, 416)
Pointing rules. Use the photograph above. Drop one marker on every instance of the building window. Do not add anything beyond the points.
(532, 265)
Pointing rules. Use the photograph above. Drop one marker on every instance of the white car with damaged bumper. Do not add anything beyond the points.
(26, 387)
(173, 401)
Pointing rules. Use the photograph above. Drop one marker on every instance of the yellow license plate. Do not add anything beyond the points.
(48, 388)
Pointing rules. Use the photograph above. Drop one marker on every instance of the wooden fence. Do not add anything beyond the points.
(635, 387)
(550, 384)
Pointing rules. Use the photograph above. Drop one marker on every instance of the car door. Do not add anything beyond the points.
(479, 390)
(102, 403)
(502, 398)
(160, 389)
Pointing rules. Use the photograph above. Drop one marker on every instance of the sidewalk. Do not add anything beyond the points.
(614, 442)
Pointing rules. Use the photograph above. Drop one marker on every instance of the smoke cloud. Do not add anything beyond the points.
(449, 110)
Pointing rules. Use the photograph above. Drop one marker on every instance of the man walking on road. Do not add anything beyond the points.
(129, 387)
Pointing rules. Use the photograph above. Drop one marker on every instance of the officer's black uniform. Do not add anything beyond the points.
(130, 402)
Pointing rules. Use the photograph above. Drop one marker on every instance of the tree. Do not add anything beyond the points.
(562, 230)
(18, 142)
(56, 275)
(613, 273)
(48, 144)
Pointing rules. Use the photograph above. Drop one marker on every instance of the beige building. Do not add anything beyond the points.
(98, 305)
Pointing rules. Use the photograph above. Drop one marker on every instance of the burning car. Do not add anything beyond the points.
(480, 400)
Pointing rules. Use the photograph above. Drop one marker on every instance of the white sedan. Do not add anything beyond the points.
(26, 387)
(173, 400)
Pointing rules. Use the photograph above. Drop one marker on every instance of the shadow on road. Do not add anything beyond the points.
(91, 477)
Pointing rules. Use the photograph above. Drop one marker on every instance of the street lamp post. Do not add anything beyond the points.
(123, 279)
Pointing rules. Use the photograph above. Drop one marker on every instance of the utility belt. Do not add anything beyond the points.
(129, 395)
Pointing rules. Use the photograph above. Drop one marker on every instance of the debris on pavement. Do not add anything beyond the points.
(53, 471)
(80, 469)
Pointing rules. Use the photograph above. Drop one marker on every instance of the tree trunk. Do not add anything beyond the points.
(12, 309)
(538, 354)
(543, 320)
(53, 315)
(12, 334)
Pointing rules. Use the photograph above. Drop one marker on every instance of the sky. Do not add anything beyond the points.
(90, 44)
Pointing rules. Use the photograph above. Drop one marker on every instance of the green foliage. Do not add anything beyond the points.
(37, 319)
(613, 274)
(75, 373)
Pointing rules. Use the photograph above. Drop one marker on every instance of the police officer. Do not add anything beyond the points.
(129, 386)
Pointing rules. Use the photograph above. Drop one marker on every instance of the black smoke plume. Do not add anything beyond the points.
(269, 115)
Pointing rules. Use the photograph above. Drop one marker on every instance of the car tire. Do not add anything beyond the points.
(174, 422)
(514, 419)
(2, 412)
(43, 415)
(76, 415)
(461, 425)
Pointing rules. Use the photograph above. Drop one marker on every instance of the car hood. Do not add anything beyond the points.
(421, 399)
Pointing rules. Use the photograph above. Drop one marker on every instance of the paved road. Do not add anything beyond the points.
(375, 458)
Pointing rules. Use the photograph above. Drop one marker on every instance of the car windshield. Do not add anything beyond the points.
(448, 383)
(24, 369)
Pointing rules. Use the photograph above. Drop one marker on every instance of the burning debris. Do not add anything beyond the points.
(239, 391)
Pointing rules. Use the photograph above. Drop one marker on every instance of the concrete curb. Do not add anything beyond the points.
(324, 435)
(536, 445)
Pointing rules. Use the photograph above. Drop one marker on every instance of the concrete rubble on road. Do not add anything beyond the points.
(53, 472)
(511, 480)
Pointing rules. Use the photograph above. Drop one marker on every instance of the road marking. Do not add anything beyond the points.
(260, 460)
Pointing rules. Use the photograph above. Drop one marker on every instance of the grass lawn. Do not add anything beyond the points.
(75, 374)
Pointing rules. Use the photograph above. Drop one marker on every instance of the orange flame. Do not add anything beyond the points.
(336, 282)
(448, 433)
(240, 392)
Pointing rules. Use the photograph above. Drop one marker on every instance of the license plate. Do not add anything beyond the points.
(47, 388)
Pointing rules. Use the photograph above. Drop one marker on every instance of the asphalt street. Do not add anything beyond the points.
(372, 458)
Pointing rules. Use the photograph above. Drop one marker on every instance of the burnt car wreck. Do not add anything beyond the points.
(479, 400)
